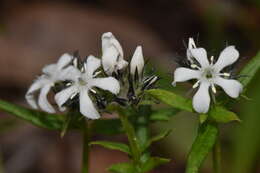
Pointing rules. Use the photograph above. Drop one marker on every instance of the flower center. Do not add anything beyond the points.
(82, 82)
(208, 73)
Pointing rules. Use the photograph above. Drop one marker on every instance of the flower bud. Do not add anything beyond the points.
(137, 62)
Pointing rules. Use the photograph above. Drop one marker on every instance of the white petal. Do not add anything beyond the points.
(109, 60)
(200, 55)
(108, 40)
(182, 74)
(191, 45)
(86, 106)
(64, 60)
(201, 99)
(227, 57)
(112, 58)
(49, 69)
(69, 73)
(137, 61)
(92, 64)
(232, 87)
(108, 83)
(121, 64)
(37, 84)
(62, 96)
(43, 100)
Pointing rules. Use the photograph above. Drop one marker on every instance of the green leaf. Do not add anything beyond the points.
(171, 99)
(152, 163)
(202, 145)
(107, 126)
(163, 114)
(221, 115)
(113, 146)
(216, 113)
(250, 70)
(156, 138)
(38, 118)
(125, 167)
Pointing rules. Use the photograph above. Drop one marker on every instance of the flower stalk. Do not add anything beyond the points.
(85, 146)
(132, 138)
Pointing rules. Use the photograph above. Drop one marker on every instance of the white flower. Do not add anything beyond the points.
(83, 83)
(112, 54)
(191, 45)
(137, 62)
(51, 74)
(208, 75)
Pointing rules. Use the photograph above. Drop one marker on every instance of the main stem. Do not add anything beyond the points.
(132, 139)
(217, 156)
(85, 152)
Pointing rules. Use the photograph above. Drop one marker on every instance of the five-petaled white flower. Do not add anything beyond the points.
(112, 54)
(84, 82)
(137, 62)
(51, 74)
(208, 75)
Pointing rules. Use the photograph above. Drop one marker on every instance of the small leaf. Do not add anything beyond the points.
(152, 163)
(125, 167)
(38, 118)
(221, 115)
(202, 145)
(171, 99)
(113, 146)
(217, 113)
(157, 138)
(107, 126)
(163, 114)
(249, 71)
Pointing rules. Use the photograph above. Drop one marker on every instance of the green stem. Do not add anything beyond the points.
(217, 156)
(131, 137)
(142, 130)
(85, 152)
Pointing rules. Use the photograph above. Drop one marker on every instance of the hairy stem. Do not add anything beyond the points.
(85, 152)
(132, 139)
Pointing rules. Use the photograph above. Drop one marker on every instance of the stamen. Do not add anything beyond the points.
(73, 95)
(93, 91)
(213, 88)
(97, 73)
(212, 59)
(194, 66)
(225, 74)
(68, 84)
(196, 84)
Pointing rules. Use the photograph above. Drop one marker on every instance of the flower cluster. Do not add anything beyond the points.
(208, 74)
(77, 82)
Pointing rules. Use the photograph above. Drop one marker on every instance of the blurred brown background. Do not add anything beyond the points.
(36, 32)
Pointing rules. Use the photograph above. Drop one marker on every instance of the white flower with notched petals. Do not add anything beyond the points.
(84, 82)
(112, 54)
(208, 75)
(137, 62)
(51, 74)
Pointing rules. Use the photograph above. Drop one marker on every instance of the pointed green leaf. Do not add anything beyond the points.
(152, 163)
(250, 70)
(125, 167)
(221, 115)
(38, 118)
(163, 114)
(171, 99)
(113, 146)
(202, 145)
(216, 113)
(156, 138)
